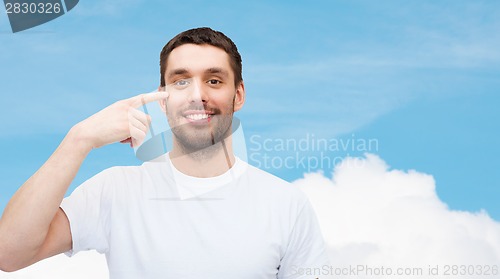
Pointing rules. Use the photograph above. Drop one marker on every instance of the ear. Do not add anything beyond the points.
(239, 98)
(162, 102)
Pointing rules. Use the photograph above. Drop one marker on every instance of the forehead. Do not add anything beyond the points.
(198, 58)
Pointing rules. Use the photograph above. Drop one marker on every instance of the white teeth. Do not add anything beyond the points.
(197, 116)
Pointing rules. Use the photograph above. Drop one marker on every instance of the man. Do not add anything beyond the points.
(195, 212)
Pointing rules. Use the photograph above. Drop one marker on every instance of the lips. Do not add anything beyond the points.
(198, 116)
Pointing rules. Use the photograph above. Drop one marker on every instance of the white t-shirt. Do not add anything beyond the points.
(150, 223)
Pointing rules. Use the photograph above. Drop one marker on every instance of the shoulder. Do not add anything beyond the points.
(266, 178)
(275, 188)
(130, 172)
(121, 176)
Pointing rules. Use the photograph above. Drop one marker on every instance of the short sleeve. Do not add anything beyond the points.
(306, 249)
(87, 209)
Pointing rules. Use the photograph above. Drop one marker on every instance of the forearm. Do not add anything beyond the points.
(27, 217)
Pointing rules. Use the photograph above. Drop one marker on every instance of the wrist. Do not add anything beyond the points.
(77, 138)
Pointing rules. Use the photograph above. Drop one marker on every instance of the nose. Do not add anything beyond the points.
(198, 93)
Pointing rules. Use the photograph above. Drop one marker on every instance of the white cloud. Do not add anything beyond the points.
(371, 217)
(376, 217)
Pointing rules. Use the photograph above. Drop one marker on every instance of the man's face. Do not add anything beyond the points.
(203, 96)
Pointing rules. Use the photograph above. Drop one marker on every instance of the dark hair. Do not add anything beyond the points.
(202, 36)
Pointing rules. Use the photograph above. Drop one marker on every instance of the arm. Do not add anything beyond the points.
(33, 227)
(28, 216)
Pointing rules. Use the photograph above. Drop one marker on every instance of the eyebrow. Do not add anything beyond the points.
(217, 71)
(176, 72)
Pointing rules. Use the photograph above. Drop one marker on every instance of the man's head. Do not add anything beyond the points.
(203, 36)
(201, 70)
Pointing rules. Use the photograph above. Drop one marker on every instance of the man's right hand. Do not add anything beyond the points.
(33, 227)
(119, 122)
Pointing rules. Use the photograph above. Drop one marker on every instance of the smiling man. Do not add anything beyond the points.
(197, 211)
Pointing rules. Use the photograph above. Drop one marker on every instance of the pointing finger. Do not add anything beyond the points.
(143, 99)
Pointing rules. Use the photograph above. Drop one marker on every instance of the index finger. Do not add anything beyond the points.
(143, 99)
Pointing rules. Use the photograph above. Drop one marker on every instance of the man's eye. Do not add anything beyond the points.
(181, 83)
(214, 82)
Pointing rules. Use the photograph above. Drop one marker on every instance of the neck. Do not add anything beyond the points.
(209, 162)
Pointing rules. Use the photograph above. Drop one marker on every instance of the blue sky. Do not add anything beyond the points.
(418, 76)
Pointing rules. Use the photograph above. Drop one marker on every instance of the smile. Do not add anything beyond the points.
(198, 116)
